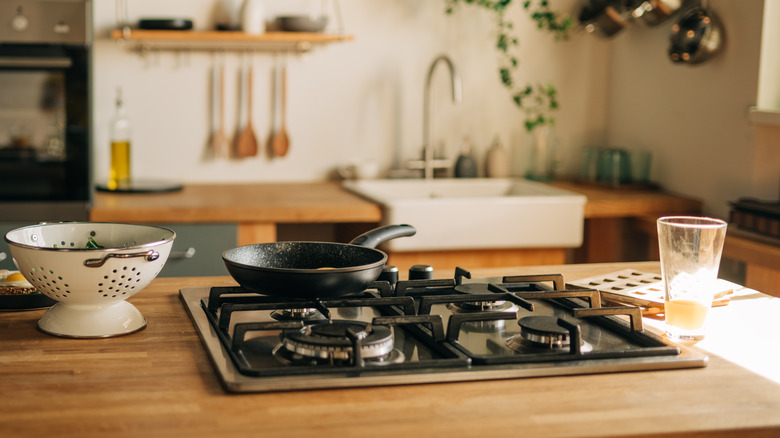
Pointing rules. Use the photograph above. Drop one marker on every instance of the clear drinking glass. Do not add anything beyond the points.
(690, 249)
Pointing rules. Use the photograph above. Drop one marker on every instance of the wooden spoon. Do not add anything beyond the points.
(246, 145)
(280, 143)
(220, 144)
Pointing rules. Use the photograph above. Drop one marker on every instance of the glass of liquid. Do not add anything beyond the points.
(690, 249)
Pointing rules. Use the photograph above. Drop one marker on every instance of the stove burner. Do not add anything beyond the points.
(287, 357)
(303, 314)
(331, 341)
(481, 306)
(478, 306)
(542, 333)
(473, 288)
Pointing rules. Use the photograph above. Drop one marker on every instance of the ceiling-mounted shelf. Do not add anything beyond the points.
(299, 42)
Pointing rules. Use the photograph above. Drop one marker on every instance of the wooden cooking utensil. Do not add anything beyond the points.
(280, 142)
(246, 145)
(220, 144)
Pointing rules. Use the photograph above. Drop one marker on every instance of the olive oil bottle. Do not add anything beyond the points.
(119, 173)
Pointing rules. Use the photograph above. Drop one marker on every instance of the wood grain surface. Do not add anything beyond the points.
(273, 203)
(615, 203)
(227, 36)
(160, 382)
(328, 202)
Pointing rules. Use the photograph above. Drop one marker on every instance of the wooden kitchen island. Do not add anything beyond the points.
(160, 383)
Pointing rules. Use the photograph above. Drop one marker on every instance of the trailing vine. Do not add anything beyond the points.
(537, 101)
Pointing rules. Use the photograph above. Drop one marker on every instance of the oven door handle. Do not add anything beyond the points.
(30, 62)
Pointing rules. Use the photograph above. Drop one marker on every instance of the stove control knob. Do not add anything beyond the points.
(421, 272)
(389, 274)
(61, 28)
(20, 23)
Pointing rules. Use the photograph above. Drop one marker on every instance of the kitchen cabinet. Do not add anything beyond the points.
(760, 256)
(197, 250)
(477, 258)
(6, 262)
(619, 222)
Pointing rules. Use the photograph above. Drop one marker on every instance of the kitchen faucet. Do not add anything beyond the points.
(428, 163)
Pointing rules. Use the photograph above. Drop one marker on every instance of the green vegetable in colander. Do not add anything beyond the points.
(91, 244)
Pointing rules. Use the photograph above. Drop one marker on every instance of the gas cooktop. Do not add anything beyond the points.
(423, 331)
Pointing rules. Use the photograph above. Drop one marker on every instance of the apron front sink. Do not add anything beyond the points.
(477, 213)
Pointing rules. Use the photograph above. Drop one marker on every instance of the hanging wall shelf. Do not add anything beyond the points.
(296, 42)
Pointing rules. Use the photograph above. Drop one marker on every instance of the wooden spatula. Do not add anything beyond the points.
(246, 145)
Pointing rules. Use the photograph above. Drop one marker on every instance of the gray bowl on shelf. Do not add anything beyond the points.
(301, 23)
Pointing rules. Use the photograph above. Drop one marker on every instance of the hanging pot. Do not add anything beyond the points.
(696, 37)
(654, 12)
(604, 17)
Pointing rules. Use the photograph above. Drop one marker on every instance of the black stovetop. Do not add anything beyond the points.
(419, 331)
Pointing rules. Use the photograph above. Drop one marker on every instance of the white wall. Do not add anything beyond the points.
(694, 118)
(356, 99)
(364, 98)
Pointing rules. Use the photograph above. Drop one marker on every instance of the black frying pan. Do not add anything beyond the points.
(312, 270)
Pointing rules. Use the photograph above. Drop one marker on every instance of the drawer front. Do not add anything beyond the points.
(197, 250)
(6, 262)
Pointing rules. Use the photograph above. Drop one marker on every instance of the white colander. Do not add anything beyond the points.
(90, 285)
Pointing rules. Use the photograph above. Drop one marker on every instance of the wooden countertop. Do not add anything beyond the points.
(604, 202)
(160, 383)
(251, 203)
(328, 202)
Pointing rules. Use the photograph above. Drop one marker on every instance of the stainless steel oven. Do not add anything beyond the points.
(44, 110)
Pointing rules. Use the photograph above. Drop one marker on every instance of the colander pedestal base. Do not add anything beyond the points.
(87, 321)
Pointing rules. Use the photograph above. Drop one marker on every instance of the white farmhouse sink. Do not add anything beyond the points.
(476, 213)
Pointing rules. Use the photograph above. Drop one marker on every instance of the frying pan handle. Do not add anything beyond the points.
(371, 239)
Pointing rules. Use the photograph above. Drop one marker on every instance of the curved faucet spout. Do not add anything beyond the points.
(457, 91)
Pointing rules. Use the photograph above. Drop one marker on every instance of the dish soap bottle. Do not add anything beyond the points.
(465, 165)
(497, 161)
(119, 173)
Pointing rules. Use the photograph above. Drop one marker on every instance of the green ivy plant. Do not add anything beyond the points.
(537, 101)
